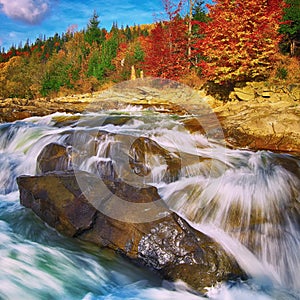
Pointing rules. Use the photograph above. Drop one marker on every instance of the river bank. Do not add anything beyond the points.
(255, 117)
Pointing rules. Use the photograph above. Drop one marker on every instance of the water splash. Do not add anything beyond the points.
(247, 201)
(256, 201)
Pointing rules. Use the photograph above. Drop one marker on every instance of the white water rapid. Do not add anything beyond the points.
(247, 201)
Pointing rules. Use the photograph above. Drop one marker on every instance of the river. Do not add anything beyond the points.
(245, 200)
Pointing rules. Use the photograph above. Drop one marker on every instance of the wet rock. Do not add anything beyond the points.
(125, 153)
(145, 151)
(65, 120)
(165, 242)
(206, 124)
(84, 143)
(193, 125)
(53, 157)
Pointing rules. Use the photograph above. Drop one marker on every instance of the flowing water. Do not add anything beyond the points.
(247, 201)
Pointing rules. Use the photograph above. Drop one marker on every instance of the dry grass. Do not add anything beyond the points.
(286, 70)
(193, 80)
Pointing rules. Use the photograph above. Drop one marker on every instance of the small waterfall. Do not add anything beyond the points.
(255, 201)
(248, 201)
(20, 144)
(251, 196)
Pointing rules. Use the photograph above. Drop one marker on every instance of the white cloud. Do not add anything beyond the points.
(12, 34)
(28, 11)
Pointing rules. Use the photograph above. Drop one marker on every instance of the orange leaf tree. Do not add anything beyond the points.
(240, 40)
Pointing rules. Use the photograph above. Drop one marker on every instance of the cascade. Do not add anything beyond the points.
(255, 200)
(248, 201)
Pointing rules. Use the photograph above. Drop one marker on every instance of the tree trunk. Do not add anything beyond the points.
(190, 30)
(292, 48)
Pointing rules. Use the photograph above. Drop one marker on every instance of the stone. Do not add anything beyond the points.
(167, 245)
(144, 150)
(259, 126)
(266, 94)
(237, 116)
(245, 94)
(295, 92)
(53, 157)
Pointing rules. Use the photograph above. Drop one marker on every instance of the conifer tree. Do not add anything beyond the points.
(291, 25)
(93, 32)
(198, 11)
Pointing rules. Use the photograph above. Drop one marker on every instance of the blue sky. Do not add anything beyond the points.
(22, 19)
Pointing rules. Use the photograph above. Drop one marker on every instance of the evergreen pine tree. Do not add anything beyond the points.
(93, 32)
(291, 26)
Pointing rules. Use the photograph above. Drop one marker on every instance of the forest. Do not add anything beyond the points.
(225, 44)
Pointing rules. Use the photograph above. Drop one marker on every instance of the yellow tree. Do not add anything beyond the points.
(15, 78)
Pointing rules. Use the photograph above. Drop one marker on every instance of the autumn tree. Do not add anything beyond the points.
(56, 74)
(34, 71)
(240, 40)
(166, 48)
(16, 78)
(7, 70)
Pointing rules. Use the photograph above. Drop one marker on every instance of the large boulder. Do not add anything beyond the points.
(84, 206)
(271, 126)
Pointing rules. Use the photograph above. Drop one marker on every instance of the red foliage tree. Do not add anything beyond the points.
(240, 41)
(166, 47)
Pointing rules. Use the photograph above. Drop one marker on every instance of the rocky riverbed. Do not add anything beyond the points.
(256, 116)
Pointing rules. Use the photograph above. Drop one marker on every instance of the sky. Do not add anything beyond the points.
(30, 19)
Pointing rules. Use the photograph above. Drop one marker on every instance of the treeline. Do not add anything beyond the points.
(231, 42)
(73, 62)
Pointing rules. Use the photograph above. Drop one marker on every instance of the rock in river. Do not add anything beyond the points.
(167, 244)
